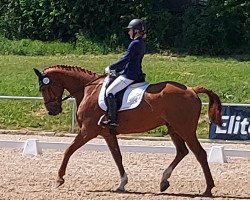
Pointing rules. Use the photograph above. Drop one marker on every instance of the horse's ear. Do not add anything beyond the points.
(38, 73)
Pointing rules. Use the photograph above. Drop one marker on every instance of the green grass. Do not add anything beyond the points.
(229, 78)
(82, 45)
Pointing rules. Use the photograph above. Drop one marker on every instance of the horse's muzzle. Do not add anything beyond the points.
(54, 109)
(54, 113)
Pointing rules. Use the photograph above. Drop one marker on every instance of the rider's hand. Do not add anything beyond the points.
(107, 70)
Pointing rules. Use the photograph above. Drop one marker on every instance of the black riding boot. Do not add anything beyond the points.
(111, 116)
(112, 110)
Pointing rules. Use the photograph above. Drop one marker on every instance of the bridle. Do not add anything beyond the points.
(53, 99)
(45, 81)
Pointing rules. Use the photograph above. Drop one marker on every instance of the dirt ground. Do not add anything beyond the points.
(93, 175)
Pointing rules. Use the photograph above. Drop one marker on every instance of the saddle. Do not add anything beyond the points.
(127, 98)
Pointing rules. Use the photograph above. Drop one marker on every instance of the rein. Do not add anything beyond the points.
(88, 84)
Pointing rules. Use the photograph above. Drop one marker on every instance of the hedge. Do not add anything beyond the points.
(219, 27)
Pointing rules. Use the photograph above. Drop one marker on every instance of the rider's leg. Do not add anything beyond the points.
(117, 85)
(112, 110)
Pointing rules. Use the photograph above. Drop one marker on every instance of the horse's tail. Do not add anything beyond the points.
(214, 110)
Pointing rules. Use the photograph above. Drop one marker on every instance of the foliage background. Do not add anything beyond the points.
(216, 28)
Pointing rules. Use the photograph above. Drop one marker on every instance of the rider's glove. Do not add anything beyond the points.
(107, 70)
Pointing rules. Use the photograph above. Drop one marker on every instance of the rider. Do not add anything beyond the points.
(131, 64)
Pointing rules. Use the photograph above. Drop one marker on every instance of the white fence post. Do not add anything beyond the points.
(217, 155)
(73, 114)
(32, 147)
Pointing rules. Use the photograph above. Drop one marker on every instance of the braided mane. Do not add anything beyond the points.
(71, 68)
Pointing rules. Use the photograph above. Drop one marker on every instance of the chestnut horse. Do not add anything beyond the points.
(166, 103)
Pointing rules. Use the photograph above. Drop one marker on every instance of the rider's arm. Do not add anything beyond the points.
(120, 64)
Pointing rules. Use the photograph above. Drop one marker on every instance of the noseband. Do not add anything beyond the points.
(53, 99)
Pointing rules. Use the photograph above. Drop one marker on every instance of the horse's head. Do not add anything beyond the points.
(52, 91)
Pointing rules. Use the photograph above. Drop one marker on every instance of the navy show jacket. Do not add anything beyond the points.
(131, 60)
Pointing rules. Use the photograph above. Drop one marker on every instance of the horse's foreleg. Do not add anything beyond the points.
(201, 156)
(116, 153)
(181, 151)
(79, 141)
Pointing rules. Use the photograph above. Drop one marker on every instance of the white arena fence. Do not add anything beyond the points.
(73, 108)
(34, 147)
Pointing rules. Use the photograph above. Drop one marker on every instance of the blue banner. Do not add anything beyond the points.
(236, 124)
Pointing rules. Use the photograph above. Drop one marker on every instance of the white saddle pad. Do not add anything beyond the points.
(131, 98)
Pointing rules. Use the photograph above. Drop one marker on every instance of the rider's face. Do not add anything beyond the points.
(131, 32)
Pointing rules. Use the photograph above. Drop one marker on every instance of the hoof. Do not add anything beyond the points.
(120, 190)
(207, 194)
(59, 182)
(164, 185)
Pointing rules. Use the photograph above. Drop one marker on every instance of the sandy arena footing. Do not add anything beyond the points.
(93, 175)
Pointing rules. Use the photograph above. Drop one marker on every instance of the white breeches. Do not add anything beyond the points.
(118, 84)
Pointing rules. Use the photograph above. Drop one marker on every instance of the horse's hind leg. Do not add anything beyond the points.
(116, 153)
(79, 141)
(201, 156)
(181, 152)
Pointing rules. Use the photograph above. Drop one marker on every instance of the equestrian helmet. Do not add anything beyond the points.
(136, 24)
